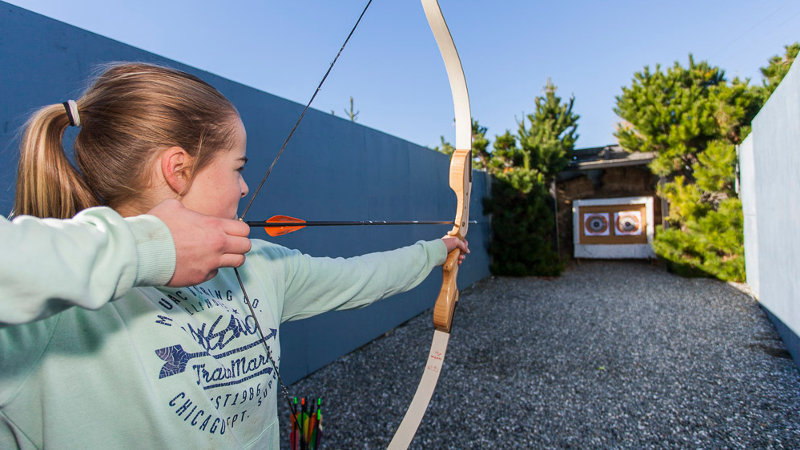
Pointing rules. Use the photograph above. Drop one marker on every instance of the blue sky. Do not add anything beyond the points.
(392, 68)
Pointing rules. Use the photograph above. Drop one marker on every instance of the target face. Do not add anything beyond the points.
(628, 223)
(612, 224)
(596, 224)
(613, 227)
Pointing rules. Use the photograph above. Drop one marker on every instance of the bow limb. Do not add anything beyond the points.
(461, 184)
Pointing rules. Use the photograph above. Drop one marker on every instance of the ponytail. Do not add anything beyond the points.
(48, 185)
(131, 113)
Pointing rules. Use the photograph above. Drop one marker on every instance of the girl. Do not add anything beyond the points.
(165, 367)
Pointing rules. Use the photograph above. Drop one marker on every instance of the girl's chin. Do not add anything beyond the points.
(219, 214)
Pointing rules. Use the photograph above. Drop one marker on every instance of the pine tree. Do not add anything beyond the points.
(351, 113)
(707, 238)
(523, 223)
(669, 113)
(692, 118)
(445, 147)
(480, 154)
(778, 68)
(505, 155)
(547, 142)
(480, 145)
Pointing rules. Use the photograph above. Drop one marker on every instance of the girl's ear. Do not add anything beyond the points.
(176, 168)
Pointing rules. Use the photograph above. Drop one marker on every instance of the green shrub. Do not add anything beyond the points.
(522, 225)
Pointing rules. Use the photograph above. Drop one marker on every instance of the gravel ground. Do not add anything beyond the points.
(611, 354)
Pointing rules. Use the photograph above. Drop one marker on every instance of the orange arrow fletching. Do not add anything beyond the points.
(280, 231)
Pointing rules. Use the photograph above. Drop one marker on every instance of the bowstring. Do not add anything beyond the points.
(247, 301)
(299, 119)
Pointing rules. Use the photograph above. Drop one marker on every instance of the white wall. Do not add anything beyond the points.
(770, 183)
(747, 194)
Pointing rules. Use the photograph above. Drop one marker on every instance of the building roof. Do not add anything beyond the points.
(606, 157)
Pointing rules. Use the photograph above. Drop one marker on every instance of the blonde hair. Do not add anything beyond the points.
(128, 115)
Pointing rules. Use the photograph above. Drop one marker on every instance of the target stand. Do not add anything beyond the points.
(613, 228)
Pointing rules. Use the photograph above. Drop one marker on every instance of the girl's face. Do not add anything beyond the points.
(218, 187)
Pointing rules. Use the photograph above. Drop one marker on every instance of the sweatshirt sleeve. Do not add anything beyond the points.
(316, 285)
(48, 265)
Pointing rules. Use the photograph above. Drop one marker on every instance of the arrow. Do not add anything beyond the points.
(280, 225)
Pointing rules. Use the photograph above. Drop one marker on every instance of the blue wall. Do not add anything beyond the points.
(332, 169)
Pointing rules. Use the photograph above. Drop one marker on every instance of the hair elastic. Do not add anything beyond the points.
(72, 112)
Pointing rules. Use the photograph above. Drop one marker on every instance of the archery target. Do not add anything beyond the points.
(605, 222)
(613, 227)
(596, 224)
(628, 223)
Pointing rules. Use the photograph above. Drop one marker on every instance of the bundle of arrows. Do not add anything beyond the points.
(306, 425)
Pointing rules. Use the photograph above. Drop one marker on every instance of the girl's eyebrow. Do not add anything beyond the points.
(244, 159)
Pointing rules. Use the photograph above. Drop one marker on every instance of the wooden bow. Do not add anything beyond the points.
(461, 184)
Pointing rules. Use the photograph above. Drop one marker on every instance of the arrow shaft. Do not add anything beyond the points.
(335, 223)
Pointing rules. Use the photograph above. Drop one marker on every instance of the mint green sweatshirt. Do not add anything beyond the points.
(172, 368)
(53, 264)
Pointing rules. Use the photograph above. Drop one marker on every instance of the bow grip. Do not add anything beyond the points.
(448, 296)
(461, 183)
